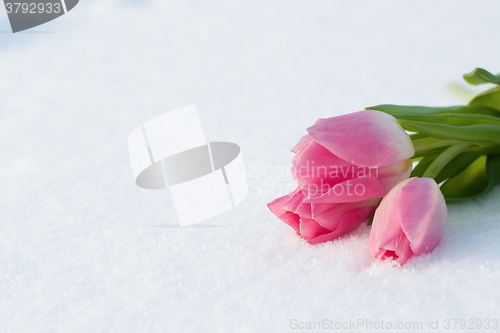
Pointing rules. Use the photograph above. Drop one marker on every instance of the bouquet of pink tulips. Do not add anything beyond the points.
(357, 168)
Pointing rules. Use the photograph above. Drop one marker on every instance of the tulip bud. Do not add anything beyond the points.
(409, 221)
(352, 157)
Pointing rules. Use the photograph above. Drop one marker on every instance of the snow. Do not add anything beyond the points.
(82, 249)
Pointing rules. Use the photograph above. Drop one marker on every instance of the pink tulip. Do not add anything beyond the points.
(353, 157)
(321, 222)
(409, 221)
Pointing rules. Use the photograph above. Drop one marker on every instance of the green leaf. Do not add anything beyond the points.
(474, 181)
(423, 153)
(469, 184)
(457, 165)
(426, 110)
(482, 133)
(429, 143)
(493, 170)
(452, 118)
(488, 99)
(422, 165)
(418, 136)
(480, 76)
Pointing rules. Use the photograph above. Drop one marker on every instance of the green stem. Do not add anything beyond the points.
(444, 158)
(431, 143)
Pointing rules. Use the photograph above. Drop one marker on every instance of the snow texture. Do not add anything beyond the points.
(83, 249)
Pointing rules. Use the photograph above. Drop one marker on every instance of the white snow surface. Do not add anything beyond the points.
(80, 246)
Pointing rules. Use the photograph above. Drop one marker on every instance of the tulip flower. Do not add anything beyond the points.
(409, 221)
(321, 222)
(352, 157)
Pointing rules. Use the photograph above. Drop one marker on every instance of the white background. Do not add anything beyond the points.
(77, 250)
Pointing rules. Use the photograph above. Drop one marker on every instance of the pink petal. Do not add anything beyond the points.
(293, 202)
(277, 207)
(390, 181)
(395, 169)
(304, 141)
(422, 210)
(310, 229)
(399, 251)
(330, 216)
(369, 138)
(352, 190)
(386, 223)
(315, 165)
(296, 204)
(409, 221)
(318, 171)
(348, 222)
